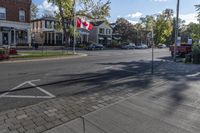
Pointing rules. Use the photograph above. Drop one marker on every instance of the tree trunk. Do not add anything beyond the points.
(66, 34)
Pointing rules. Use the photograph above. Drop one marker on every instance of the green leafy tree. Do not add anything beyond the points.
(125, 29)
(162, 30)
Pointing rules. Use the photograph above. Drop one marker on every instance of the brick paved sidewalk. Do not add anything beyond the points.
(49, 114)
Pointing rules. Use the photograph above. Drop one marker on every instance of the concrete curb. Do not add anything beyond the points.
(78, 55)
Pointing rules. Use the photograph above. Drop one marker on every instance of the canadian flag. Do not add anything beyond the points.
(84, 24)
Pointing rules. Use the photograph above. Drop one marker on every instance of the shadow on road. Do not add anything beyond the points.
(135, 75)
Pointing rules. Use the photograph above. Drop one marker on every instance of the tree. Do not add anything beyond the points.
(162, 30)
(198, 10)
(87, 8)
(34, 11)
(125, 29)
(147, 22)
(168, 14)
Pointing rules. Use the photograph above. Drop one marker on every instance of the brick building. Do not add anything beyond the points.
(15, 22)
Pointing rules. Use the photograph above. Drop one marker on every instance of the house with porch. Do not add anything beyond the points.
(44, 31)
(15, 22)
(101, 33)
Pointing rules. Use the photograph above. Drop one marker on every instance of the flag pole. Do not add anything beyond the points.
(74, 42)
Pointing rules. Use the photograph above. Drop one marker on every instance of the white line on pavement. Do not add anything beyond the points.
(48, 94)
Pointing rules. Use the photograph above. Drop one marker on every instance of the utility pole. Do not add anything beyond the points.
(176, 28)
(152, 65)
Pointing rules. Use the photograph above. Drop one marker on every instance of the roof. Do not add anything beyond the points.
(45, 18)
(97, 23)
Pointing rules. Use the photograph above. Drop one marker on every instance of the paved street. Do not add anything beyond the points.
(37, 96)
(71, 76)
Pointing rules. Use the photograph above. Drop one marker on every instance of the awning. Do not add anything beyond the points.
(101, 38)
(109, 39)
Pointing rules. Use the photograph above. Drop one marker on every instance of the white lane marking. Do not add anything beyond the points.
(48, 94)
(193, 75)
(108, 67)
(42, 90)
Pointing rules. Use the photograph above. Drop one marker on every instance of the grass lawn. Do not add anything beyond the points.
(40, 54)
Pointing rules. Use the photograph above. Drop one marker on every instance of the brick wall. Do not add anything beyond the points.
(13, 7)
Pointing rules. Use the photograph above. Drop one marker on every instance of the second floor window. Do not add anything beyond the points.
(21, 15)
(48, 24)
(108, 31)
(101, 31)
(2, 13)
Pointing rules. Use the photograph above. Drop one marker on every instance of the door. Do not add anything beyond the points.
(5, 38)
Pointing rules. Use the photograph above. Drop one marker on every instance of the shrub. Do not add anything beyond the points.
(196, 53)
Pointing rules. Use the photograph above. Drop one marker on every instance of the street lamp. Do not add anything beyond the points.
(176, 29)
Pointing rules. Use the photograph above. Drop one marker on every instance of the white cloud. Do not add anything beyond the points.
(135, 15)
(133, 21)
(159, 0)
(191, 17)
(46, 6)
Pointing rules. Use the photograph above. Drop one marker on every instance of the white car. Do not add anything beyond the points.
(162, 46)
(141, 46)
(128, 46)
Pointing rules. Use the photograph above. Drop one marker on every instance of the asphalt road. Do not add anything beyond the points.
(23, 84)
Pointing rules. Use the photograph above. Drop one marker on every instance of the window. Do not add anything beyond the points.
(108, 32)
(101, 31)
(48, 24)
(21, 15)
(2, 13)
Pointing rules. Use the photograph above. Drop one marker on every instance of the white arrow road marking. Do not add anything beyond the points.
(48, 94)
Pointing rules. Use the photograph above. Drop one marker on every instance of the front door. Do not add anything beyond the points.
(5, 38)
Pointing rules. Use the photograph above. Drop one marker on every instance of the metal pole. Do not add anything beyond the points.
(176, 28)
(74, 44)
(152, 65)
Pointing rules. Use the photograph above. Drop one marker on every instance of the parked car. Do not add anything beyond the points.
(3, 54)
(12, 51)
(95, 46)
(128, 46)
(141, 46)
(181, 50)
(162, 46)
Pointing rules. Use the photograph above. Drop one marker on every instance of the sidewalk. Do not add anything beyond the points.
(137, 114)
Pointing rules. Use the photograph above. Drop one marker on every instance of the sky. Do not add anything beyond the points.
(132, 10)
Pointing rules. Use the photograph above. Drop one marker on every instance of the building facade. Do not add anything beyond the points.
(44, 31)
(101, 33)
(15, 22)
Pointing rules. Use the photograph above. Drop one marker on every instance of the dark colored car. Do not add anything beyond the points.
(128, 46)
(95, 47)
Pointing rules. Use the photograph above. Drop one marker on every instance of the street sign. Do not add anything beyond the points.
(179, 41)
(190, 41)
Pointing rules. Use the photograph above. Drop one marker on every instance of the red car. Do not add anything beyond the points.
(181, 50)
(12, 51)
(3, 54)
